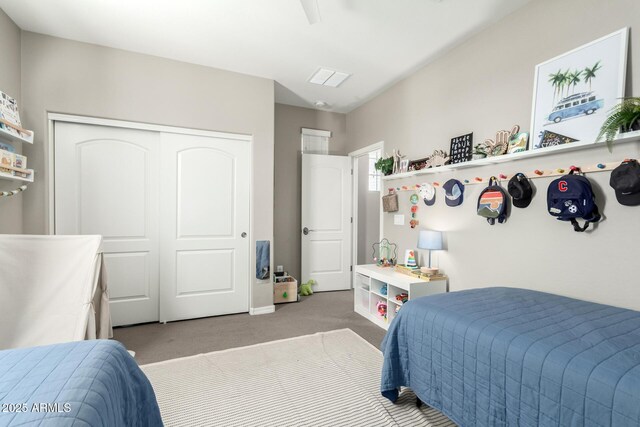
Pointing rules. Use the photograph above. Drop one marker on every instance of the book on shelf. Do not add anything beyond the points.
(10, 115)
(415, 272)
(9, 162)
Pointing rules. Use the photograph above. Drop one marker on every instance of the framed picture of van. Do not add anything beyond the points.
(573, 92)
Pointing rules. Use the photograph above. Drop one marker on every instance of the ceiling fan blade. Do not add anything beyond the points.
(311, 10)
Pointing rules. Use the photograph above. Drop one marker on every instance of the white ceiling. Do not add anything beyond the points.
(378, 41)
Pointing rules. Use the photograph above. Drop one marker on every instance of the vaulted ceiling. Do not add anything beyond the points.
(378, 42)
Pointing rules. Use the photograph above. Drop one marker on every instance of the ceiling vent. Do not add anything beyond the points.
(326, 77)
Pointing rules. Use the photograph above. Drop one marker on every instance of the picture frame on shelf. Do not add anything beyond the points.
(573, 91)
(404, 165)
(461, 148)
(416, 165)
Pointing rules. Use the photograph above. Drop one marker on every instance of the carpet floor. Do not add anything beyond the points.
(319, 312)
(325, 379)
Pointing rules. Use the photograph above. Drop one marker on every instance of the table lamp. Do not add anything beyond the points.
(431, 240)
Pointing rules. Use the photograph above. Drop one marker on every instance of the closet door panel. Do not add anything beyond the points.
(106, 182)
(205, 226)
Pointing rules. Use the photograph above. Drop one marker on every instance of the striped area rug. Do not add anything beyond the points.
(325, 379)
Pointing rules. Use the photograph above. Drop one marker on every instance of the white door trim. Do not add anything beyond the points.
(49, 144)
(354, 207)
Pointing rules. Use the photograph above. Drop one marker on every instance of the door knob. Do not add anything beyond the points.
(243, 235)
(305, 231)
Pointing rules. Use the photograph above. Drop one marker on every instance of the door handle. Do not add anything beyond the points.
(306, 231)
(243, 235)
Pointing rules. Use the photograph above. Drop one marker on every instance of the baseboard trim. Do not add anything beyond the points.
(262, 310)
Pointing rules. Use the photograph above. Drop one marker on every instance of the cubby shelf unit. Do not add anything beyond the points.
(629, 137)
(370, 279)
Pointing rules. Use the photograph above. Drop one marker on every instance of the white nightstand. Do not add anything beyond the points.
(369, 282)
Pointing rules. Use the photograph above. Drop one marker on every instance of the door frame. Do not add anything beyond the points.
(354, 155)
(49, 146)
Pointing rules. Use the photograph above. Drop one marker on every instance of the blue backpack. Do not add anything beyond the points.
(493, 203)
(571, 197)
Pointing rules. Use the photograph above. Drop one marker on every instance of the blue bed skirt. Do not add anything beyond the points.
(87, 383)
(503, 356)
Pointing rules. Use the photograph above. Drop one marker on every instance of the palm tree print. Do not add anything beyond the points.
(565, 82)
(573, 79)
(590, 73)
(555, 79)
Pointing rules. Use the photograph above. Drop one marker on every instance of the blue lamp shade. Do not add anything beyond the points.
(430, 239)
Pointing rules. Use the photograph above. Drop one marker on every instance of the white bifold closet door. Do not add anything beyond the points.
(172, 209)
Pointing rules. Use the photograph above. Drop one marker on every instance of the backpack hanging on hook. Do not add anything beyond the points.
(493, 202)
(571, 197)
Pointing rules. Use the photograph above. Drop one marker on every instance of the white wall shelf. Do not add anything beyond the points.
(7, 136)
(628, 137)
(9, 177)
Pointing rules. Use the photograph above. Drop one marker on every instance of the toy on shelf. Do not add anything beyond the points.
(305, 288)
(383, 290)
(410, 259)
(403, 297)
(382, 309)
(385, 253)
(397, 309)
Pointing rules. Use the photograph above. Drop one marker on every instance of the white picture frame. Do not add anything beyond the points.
(404, 165)
(573, 92)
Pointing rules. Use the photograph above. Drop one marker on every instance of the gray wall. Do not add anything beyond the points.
(486, 84)
(77, 78)
(288, 123)
(368, 213)
(10, 207)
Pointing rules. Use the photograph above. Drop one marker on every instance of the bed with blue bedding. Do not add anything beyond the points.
(504, 356)
(87, 383)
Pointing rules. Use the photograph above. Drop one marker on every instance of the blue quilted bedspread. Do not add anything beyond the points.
(502, 356)
(87, 383)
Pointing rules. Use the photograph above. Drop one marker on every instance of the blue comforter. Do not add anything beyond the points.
(87, 383)
(502, 356)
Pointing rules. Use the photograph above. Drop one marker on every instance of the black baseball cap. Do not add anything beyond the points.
(625, 179)
(453, 192)
(520, 190)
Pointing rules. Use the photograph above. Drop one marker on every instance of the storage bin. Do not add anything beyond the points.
(285, 291)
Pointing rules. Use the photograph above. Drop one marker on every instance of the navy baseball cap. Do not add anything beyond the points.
(453, 192)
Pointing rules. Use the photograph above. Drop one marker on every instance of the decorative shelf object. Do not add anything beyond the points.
(624, 138)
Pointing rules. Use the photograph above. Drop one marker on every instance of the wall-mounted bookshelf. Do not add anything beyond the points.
(24, 136)
(629, 137)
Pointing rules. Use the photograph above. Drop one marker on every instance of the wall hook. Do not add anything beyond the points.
(503, 176)
(560, 170)
(478, 179)
(538, 172)
(601, 166)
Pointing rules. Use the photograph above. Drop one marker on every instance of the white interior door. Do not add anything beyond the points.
(204, 226)
(326, 221)
(106, 182)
